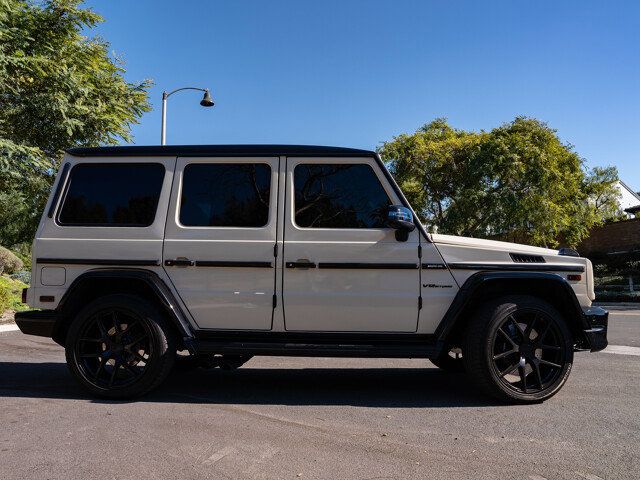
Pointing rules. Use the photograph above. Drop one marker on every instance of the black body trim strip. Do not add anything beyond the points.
(56, 196)
(369, 266)
(216, 263)
(98, 261)
(516, 268)
(301, 265)
(434, 266)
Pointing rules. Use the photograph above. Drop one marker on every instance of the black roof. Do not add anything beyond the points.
(220, 150)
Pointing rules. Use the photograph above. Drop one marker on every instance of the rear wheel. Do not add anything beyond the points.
(519, 349)
(120, 346)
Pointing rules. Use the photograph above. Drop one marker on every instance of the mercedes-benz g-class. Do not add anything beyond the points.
(232, 251)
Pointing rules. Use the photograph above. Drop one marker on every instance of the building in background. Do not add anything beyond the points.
(629, 199)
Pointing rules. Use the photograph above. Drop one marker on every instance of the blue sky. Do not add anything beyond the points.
(356, 73)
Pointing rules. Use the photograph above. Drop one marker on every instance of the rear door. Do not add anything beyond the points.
(220, 238)
(344, 270)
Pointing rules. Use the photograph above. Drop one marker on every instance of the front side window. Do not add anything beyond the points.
(339, 196)
(112, 195)
(225, 195)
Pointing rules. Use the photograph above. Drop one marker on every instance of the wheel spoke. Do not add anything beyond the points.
(91, 355)
(550, 347)
(103, 331)
(99, 370)
(116, 367)
(131, 369)
(551, 364)
(509, 369)
(515, 324)
(114, 319)
(506, 335)
(527, 331)
(523, 377)
(140, 358)
(137, 340)
(130, 326)
(544, 332)
(536, 368)
(505, 354)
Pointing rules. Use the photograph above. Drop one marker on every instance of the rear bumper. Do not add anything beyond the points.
(596, 335)
(37, 322)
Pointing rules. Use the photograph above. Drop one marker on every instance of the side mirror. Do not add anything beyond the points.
(401, 219)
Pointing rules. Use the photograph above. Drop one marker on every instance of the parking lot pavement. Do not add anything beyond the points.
(317, 418)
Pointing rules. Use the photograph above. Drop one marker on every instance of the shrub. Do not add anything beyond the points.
(22, 276)
(10, 294)
(9, 263)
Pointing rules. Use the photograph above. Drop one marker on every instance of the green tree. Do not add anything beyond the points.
(58, 89)
(519, 182)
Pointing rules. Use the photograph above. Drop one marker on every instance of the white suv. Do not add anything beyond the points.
(231, 251)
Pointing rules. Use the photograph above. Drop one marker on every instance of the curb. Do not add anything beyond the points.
(8, 327)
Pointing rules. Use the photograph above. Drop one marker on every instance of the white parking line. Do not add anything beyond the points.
(623, 350)
(11, 327)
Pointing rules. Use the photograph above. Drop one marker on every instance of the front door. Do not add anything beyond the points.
(220, 238)
(344, 270)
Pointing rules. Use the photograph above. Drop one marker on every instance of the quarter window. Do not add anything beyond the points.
(225, 195)
(339, 196)
(112, 195)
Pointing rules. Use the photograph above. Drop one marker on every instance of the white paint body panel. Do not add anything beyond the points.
(323, 300)
(224, 297)
(347, 300)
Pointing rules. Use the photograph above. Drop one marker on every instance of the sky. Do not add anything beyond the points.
(355, 73)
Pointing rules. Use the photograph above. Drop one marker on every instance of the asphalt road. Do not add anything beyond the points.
(279, 418)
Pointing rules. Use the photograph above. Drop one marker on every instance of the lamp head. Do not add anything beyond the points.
(207, 101)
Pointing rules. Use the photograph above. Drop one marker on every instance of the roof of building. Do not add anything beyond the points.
(630, 190)
(220, 151)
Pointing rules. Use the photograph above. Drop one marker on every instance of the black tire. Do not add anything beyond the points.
(450, 360)
(120, 347)
(520, 334)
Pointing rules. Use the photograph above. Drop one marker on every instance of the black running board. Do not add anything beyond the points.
(385, 350)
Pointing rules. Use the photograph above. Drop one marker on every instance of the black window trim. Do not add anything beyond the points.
(233, 162)
(321, 161)
(69, 179)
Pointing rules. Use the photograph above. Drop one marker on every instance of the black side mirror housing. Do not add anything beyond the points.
(400, 219)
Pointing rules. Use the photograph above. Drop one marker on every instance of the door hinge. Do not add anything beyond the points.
(275, 250)
(275, 301)
(419, 251)
(420, 302)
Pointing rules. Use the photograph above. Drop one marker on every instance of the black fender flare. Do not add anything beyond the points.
(472, 291)
(149, 279)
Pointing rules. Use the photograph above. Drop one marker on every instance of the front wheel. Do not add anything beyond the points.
(518, 349)
(120, 346)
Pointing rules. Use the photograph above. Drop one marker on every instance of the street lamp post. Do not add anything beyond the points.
(206, 101)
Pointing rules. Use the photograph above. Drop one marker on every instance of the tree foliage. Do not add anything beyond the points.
(519, 182)
(58, 89)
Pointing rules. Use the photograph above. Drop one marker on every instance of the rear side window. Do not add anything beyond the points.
(112, 195)
(339, 196)
(225, 195)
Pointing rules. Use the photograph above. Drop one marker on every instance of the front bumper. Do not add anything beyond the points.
(596, 335)
(37, 322)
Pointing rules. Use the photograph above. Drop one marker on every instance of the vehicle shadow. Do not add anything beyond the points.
(362, 387)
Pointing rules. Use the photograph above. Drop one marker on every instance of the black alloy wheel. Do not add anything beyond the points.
(120, 346)
(528, 351)
(114, 348)
(518, 349)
